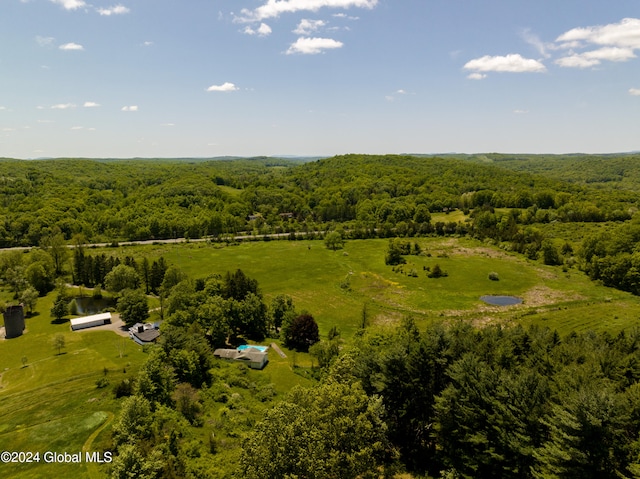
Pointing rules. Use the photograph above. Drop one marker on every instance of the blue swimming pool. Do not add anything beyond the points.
(246, 346)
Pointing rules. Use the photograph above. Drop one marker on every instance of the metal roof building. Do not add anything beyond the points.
(90, 321)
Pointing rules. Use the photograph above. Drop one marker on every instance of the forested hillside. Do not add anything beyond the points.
(136, 200)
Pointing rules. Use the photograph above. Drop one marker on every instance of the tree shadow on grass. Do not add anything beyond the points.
(60, 321)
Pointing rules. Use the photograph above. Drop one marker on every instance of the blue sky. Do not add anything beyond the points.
(183, 78)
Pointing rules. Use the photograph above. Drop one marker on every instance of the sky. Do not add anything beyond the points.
(205, 78)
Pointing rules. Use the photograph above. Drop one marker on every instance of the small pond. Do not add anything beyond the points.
(501, 300)
(89, 305)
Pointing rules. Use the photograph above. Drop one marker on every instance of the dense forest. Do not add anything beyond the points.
(140, 200)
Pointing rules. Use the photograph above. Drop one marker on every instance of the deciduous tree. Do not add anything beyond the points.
(302, 333)
(133, 307)
(333, 240)
(120, 278)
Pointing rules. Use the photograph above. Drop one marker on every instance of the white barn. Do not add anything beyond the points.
(90, 321)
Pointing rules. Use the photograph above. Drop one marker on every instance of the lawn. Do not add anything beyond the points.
(52, 403)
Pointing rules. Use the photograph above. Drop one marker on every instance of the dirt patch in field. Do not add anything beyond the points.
(452, 247)
(544, 296)
(387, 318)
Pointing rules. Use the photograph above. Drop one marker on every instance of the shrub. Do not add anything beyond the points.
(123, 389)
(493, 276)
(437, 272)
(102, 382)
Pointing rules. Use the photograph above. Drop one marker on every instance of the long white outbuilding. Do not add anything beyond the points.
(90, 321)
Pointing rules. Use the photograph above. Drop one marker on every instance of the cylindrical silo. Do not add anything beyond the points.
(14, 321)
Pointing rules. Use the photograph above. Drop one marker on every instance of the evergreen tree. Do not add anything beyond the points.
(237, 286)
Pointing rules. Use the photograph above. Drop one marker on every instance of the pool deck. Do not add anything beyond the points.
(275, 347)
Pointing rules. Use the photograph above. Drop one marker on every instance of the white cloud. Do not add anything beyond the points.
(227, 86)
(476, 76)
(634, 91)
(147, 44)
(274, 8)
(91, 104)
(399, 92)
(77, 127)
(306, 27)
(130, 108)
(513, 63)
(262, 31)
(3, 108)
(44, 41)
(566, 46)
(312, 46)
(533, 40)
(521, 112)
(63, 106)
(115, 10)
(625, 34)
(71, 47)
(576, 61)
(70, 4)
(592, 58)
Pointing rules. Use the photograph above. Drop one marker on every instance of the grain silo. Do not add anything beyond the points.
(14, 321)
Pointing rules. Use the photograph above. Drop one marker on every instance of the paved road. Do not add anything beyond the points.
(170, 241)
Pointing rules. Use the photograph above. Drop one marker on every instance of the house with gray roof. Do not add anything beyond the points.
(252, 357)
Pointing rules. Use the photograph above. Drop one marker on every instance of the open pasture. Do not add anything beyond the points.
(336, 286)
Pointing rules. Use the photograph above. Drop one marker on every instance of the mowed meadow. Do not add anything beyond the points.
(50, 401)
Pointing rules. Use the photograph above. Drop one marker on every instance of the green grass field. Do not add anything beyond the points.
(312, 275)
(52, 402)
